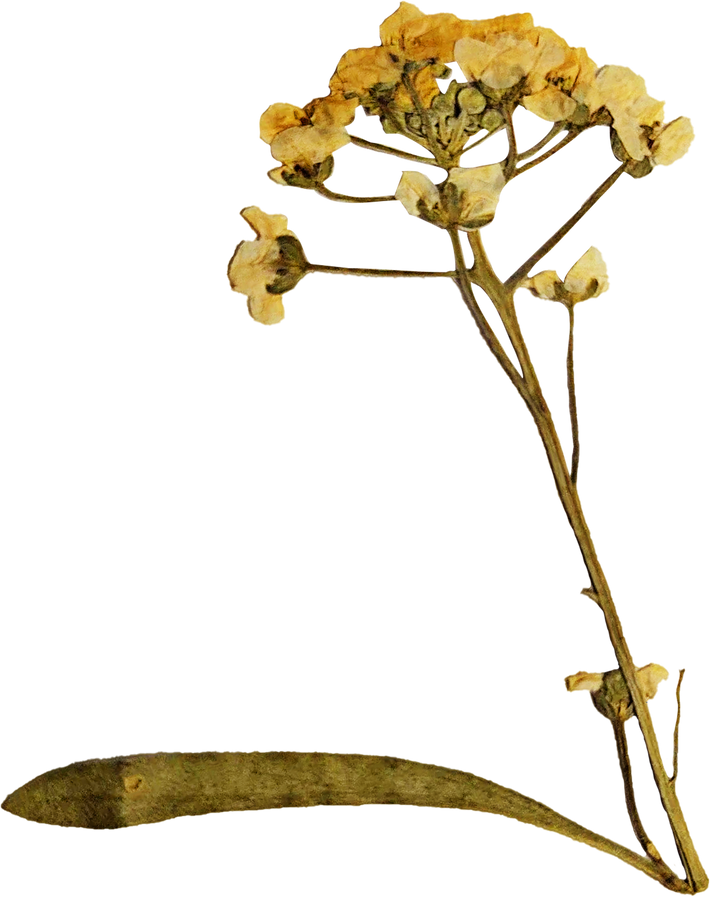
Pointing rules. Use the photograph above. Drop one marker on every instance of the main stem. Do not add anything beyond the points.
(502, 298)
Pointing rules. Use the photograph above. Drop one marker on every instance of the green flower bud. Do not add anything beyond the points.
(471, 101)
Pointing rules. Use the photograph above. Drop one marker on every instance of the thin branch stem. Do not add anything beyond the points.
(381, 148)
(551, 134)
(529, 389)
(572, 397)
(676, 731)
(342, 197)
(622, 750)
(523, 271)
(378, 272)
(512, 158)
(482, 140)
(551, 152)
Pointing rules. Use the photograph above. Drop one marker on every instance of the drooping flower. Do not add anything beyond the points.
(417, 36)
(472, 195)
(623, 93)
(302, 139)
(264, 268)
(585, 279)
(421, 198)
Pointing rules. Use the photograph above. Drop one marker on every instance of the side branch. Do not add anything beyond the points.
(378, 272)
(342, 197)
(381, 148)
(523, 271)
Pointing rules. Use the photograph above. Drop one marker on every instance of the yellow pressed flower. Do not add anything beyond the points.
(264, 268)
(585, 279)
(472, 195)
(307, 146)
(609, 691)
(360, 70)
(550, 104)
(420, 197)
(623, 93)
(418, 36)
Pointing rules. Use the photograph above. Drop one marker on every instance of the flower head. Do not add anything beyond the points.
(585, 279)
(417, 36)
(265, 268)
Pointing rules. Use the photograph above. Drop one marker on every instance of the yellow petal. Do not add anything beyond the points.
(266, 308)
(333, 111)
(590, 266)
(673, 142)
(472, 57)
(516, 23)
(543, 284)
(550, 104)
(584, 681)
(278, 117)
(650, 677)
(478, 191)
(363, 68)
(307, 146)
(417, 193)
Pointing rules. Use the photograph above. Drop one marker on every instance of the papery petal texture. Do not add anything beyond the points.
(587, 277)
(417, 194)
(673, 141)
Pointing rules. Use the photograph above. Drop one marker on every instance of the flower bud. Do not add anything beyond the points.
(610, 693)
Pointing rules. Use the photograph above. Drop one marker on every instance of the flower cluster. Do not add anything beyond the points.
(585, 279)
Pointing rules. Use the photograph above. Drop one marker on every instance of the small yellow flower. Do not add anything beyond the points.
(302, 139)
(417, 36)
(609, 691)
(585, 279)
(264, 268)
(624, 95)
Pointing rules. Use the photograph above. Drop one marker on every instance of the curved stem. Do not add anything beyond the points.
(551, 134)
(572, 397)
(551, 152)
(381, 148)
(342, 197)
(482, 140)
(523, 271)
(676, 731)
(377, 272)
(512, 157)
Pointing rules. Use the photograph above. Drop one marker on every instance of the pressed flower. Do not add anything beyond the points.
(420, 197)
(264, 268)
(360, 70)
(306, 137)
(500, 62)
(585, 279)
(623, 93)
(472, 195)
(610, 693)
(418, 36)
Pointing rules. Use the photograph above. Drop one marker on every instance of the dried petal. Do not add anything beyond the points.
(543, 285)
(361, 69)
(587, 277)
(673, 142)
(584, 681)
(473, 194)
(550, 104)
(650, 677)
(279, 117)
(307, 146)
(420, 197)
